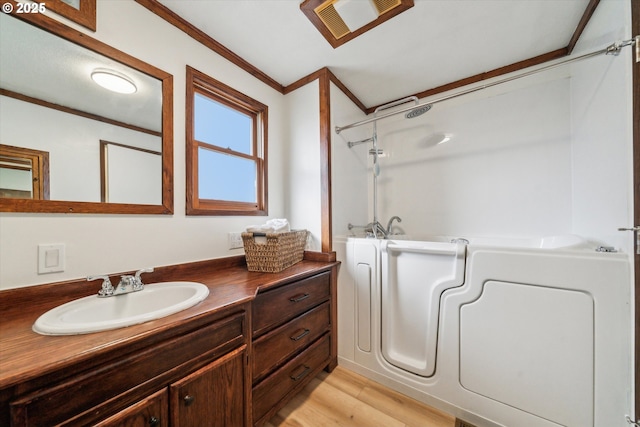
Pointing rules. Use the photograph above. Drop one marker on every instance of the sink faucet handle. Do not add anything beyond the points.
(139, 272)
(107, 287)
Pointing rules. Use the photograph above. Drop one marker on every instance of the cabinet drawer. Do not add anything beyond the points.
(275, 307)
(274, 348)
(89, 391)
(290, 378)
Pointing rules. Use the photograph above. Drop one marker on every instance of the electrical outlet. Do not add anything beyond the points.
(235, 241)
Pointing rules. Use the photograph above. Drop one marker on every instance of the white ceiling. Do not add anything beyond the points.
(434, 43)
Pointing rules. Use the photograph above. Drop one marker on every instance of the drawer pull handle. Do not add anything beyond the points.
(154, 422)
(302, 335)
(302, 374)
(299, 298)
(188, 400)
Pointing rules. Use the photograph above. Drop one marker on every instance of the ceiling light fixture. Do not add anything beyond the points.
(113, 81)
(342, 20)
(356, 13)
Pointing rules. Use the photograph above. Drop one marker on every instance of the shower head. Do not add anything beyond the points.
(418, 111)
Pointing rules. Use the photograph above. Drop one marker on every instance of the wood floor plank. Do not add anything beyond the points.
(346, 399)
(325, 405)
(345, 380)
(407, 410)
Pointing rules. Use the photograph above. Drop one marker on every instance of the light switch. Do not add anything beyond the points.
(50, 258)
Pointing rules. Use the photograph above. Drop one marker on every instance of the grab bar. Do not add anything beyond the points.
(422, 250)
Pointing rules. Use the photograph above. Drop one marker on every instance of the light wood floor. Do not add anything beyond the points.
(346, 399)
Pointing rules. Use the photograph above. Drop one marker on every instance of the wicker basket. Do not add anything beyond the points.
(281, 250)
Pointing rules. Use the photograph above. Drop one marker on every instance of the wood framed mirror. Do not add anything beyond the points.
(82, 12)
(50, 103)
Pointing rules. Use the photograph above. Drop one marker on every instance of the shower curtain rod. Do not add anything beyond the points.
(611, 49)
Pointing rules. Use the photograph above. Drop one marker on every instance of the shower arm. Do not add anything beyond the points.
(362, 141)
(612, 49)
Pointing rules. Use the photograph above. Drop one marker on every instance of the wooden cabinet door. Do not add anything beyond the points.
(150, 412)
(213, 395)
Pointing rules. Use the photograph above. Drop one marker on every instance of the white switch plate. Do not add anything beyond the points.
(235, 241)
(50, 258)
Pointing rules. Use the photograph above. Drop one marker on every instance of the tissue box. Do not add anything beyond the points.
(273, 252)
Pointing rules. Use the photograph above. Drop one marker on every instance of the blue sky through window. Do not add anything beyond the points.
(223, 176)
(219, 125)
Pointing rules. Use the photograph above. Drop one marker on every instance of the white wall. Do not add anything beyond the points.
(348, 165)
(114, 243)
(303, 188)
(505, 172)
(601, 126)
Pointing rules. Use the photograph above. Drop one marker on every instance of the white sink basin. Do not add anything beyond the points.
(93, 314)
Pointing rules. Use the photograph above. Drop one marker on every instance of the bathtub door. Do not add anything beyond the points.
(414, 275)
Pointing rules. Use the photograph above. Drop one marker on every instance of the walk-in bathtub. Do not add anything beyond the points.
(506, 332)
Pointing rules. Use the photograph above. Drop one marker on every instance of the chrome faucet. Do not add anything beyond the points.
(373, 229)
(138, 281)
(390, 223)
(377, 230)
(107, 288)
(126, 285)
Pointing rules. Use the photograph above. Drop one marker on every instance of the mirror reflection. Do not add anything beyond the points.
(55, 98)
(73, 3)
(24, 173)
(128, 174)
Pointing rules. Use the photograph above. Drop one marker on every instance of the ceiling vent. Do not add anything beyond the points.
(342, 20)
(332, 20)
(384, 6)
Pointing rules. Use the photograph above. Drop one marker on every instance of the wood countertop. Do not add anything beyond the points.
(25, 355)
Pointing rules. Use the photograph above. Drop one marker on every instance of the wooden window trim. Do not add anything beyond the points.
(200, 83)
(37, 162)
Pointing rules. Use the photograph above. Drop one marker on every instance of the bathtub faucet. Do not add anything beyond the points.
(373, 229)
(390, 223)
(377, 230)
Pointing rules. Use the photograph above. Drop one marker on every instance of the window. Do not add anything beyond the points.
(226, 149)
(24, 173)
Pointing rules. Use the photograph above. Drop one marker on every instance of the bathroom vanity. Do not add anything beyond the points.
(234, 359)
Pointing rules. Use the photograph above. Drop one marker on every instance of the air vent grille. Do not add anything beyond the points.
(384, 6)
(324, 15)
(329, 16)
